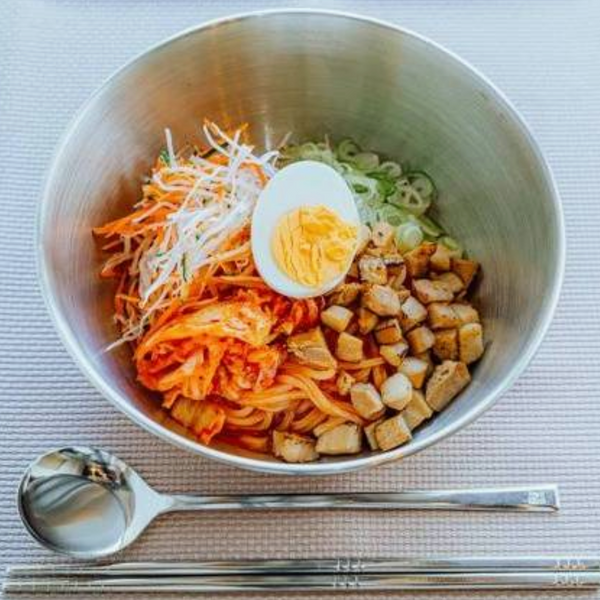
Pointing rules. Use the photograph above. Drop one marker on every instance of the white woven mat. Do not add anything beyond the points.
(546, 56)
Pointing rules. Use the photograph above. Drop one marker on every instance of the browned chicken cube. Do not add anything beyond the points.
(426, 358)
(441, 259)
(465, 313)
(353, 271)
(417, 410)
(470, 342)
(392, 433)
(310, 348)
(364, 237)
(412, 312)
(396, 391)
(336, 317)
(442, 316)
(451, 280)
(417, 260)
(465, 269)
(396, 281)
(345, 294)
(372, 269)
(343, 439)
(370, 434)
(445, 346)
(428, 291)
(415, 369)
(394, 353)
(366, 320)
(349, 348)
(382, 234)
(447, 381)
(420, 339)
(382, 300)
(388, 332)
(344, 383)
(366, 400)
(293, 448)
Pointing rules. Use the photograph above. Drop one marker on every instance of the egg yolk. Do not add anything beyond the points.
(312, 245)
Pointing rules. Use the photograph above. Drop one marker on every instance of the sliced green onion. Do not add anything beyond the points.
(386, 187)
(408, 236)
(429, 226)
(392, 214)
(366, 161)
(347, 150)
(422, 184)
(452, 245)
(407, 197)
(392, 169)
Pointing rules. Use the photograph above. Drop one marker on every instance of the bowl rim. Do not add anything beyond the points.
(119, 399)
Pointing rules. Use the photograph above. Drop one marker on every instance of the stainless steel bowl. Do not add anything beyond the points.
(311, 73)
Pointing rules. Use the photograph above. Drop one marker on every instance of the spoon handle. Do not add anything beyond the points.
(543, 498)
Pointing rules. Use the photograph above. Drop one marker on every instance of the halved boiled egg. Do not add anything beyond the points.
(305, 230)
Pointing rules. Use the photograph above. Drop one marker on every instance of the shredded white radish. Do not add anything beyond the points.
(218, 203)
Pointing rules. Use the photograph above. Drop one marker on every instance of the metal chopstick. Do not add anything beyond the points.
(324, 583)
(313, 566)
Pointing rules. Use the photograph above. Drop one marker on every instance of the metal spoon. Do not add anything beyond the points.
(88, 503)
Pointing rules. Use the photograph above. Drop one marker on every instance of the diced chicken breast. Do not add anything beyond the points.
(310, 348)
(465, 313)
(417, 260)
(420, 339)
(349, 348)
(441, 259)
(465, 269)
(372, 269)
(370, 434)
(336, 317)
(382, 234)
(382, 300)
(396, 391)
(392, 433)
(447, 381)
(416, 411)
(451, 280)
(343, 439)
(388, 332)
(428, 291)
(396, 280)
(412, 312)
(293, 448)
(442, 316)
(366, 400)
(426, 357)
(470, 342)
(394, 353)
(445, 346)
(366, 320)
(344, 383)
(364, 237)
(415, 369)
(345, 294)
(353, 271)
(394, 261)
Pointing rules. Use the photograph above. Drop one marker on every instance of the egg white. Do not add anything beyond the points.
(306, 183)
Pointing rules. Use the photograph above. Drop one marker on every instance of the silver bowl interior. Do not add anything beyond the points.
(310, 73)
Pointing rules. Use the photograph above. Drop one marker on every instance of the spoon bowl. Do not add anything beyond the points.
(85, 502)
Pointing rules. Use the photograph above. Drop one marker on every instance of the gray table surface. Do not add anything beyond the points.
(546, 56)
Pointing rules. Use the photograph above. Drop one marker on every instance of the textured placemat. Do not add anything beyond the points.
(546, 56)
